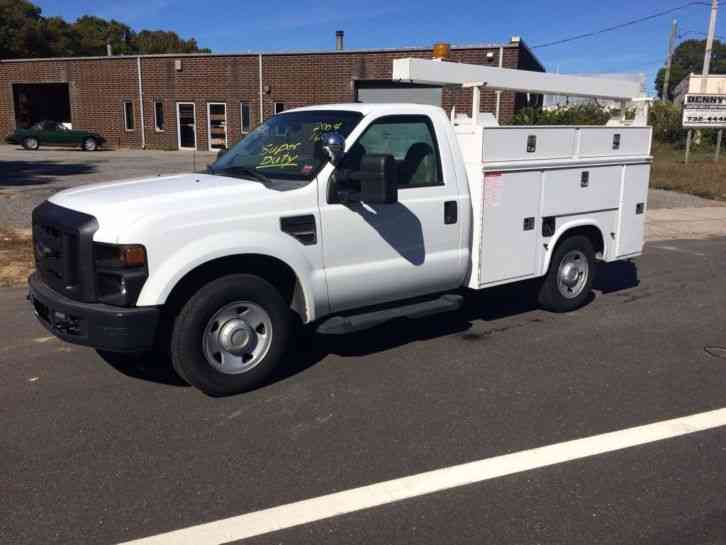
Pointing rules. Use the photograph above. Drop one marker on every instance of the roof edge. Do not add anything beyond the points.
(523, 45)
(265, 53)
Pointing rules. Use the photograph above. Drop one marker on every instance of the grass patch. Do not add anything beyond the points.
(16, 257)
(701, 176)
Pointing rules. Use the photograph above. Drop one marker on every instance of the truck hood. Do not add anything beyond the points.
(121, 204)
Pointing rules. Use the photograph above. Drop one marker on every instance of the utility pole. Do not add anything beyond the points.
(709, 40)
(707, 63)
(669, 62)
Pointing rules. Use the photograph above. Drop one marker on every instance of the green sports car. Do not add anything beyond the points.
(52, 133)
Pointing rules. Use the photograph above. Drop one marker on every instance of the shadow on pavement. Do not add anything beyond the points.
(488, 305)
(617, 276)
(152, 367)
(28, 173)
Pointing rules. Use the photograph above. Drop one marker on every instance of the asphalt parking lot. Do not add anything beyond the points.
(27, 178)
(109, 450)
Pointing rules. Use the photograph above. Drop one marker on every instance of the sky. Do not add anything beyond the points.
(245, 25)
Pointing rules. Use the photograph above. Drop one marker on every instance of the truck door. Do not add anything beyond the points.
(378, 253)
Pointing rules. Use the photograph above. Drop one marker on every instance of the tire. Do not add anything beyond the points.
(231, 335)
(89, 144)
(568, 282)
(31, 143)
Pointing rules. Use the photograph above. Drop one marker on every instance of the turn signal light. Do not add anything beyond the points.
(119, 256)
(132, 255)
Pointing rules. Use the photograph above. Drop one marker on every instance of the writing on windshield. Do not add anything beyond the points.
(324, 127)
(280, 155)
(287, 146)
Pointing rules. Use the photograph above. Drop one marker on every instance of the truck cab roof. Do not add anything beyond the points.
(368, 108)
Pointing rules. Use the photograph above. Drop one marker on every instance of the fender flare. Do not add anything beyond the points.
(562, 231)
(186, 258)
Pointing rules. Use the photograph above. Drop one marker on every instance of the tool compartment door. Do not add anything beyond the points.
(510, 223)
(631, 228)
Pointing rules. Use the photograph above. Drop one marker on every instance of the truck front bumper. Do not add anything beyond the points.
(106, 327)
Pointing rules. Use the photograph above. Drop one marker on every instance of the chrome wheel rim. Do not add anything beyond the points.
(90, 145)
(237, 337)
(572, 274)
(32, 143)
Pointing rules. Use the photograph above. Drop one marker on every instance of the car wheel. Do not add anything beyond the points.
(30, 143)
(231, 335)
(568, 282)
(90, 144)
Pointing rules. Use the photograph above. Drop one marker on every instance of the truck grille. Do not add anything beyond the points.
(63, 247)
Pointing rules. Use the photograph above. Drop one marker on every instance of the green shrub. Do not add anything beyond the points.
(666, 120)
(576, 114)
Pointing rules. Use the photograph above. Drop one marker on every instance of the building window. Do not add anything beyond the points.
(244, 112)
(159, 116)
(129, 115)
(279, 107)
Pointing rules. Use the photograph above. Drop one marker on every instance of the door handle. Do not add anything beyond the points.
(451, 212)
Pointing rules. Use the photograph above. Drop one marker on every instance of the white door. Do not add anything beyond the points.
(217, 125)
(631, 229)
(186, 123)
(509, 230)
(377, 253)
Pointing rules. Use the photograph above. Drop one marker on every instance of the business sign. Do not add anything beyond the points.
(704, 111)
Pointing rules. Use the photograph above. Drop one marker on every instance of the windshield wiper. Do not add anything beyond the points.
(251, 172)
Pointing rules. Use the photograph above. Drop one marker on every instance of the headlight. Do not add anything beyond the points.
(121, 270)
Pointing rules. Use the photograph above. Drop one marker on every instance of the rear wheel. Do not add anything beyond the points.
(90, 144)
(231, 335)
(569, 279)
(31, 143)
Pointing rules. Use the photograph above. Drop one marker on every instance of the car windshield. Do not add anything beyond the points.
(48, 126)
(286, 147)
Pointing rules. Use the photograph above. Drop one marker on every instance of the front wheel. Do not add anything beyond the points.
(231, 335)
(90, 144)
(31, 143)
(569, 279)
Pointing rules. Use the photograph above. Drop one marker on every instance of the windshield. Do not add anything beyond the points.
(286, 146)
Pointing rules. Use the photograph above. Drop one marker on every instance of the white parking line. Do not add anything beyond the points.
(357, 499)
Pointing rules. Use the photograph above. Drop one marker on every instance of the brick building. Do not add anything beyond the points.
(185, 98)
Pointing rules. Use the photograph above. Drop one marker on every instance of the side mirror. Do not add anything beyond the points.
(333, 146)
(378, 179)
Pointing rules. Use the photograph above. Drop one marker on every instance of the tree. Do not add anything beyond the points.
(161, 41)
(687, 59)
(62, 37)
(21, 30)
(95, 32)
(24, 32)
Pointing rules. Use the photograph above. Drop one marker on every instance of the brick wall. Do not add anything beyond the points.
(201, 80)
(98, 87)
(97, 90)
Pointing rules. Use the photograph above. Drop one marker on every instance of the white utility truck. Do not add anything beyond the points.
(343, 216)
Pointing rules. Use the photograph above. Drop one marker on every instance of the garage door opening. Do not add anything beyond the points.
(379, 91)
(35, 102)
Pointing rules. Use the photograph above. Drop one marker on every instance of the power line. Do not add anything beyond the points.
(622, 25)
